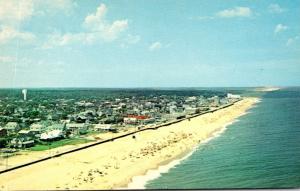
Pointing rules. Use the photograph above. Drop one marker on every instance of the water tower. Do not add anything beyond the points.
(24, 92)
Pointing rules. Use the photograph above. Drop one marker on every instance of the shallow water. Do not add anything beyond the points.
(260, 150)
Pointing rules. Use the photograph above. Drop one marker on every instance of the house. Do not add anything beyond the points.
(233, 96)
(52, 135)
(148, 121)
(77, 128)
(81, 118)
(12, 127)
(135, 119)
(191, 99)
(214, 101)
(130, 120)
(3, 132)
(36, 129)
(55, 131)
(191, 110)
(105, 128)
(26, 133)
(22, 142)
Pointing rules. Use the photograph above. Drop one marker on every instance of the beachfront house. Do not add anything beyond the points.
(77, 128)
(54, 132)
(214, 101)
(233, 96)
(21, 142)
(148, 121)
(52, 135)
(130, 120)
(136, 119)
(191, 110)
(105, 128)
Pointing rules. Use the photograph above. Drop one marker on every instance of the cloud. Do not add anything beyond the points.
(130, 40)
(133, 39)
(235, 12)
(8, 33)
(50, 7)
(97, 28)
(291, 41)
(96, 22)
(275, 8)
(14, 11)
(58, 39)
(96, 19)
(280, 28)
(66, 6)
(155, 46)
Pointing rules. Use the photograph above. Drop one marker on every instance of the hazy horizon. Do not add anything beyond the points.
(149, 87)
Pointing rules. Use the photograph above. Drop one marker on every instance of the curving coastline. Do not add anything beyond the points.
(140, 181)
(112, 165)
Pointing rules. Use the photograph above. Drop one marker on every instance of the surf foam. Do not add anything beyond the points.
(139, 182)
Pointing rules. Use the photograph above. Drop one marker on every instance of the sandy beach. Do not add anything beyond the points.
(113, 164)
(26, 156)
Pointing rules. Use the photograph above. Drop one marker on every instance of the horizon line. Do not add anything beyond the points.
(145, 87)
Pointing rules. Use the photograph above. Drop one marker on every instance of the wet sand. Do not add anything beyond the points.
(113, 164)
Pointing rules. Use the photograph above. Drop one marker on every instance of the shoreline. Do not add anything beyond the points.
(114, 164)
(140, 181)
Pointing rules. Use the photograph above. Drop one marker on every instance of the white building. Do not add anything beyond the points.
(233, 96)
(77, 128)
(130, 120)
(24, 92)
(52, 135)
(105, 127)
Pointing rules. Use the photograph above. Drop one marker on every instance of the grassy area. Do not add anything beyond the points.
(59, 143)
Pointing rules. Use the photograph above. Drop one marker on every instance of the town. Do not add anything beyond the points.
(37, 117)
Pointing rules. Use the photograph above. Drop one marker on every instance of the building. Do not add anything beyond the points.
(135, 119)
(26, 133)
(24, 92)
(77, 128)
(36, 129)
(53, 132)
(105, 128)
(233, 96)
(191, 99)
(130, 120)
(12, 127)
(22, 142)
(214, 101)
(191, 110)
(3, 132)
(148, 121)
(52, 135)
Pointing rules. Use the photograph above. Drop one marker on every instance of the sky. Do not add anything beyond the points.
(149, 43)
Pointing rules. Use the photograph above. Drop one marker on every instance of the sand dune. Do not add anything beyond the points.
(113, 164)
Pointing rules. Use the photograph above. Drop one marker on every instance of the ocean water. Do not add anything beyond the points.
(260, 150)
